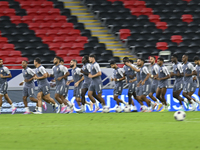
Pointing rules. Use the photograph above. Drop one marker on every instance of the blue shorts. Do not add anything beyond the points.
(131, 87)
(28, 91)
(4, 88)
(178, 86)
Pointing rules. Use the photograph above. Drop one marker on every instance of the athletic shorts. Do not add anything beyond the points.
(66, 90)
(28, 91)
(139, 91)
(131, 87)
(153, 88)
(178, 86)
(85, 85)
(118, 89)
(44, 89)
(4, 88)
(146, 89)
(97, 87)
(189, 87)
(77, 92)
(60, 89)
(163, 84)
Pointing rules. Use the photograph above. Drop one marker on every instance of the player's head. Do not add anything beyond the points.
(73, 63)
(184, 58)
(160, 61)
(24, 64)
(125, 59)
(113, 64)
(140, 62)
(196, 60)
(92, 58)
(85, 59)
(1, 62)
(37, 61)
(131, 61)
(56, 60)
(174, 58)
(61, 61)
(152, 60)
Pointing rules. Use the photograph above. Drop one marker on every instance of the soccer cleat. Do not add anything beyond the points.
(153, 105)
(44, 105)
(37, 112)
(163, 109)
(96, 110)
(14, 110)
(71, 109)
(193, 107)
(79, 111)
(63, 109)
(58, 109)
(27, 112)
(147, 110)
(159, 106)
(91, 105)
(134, 111)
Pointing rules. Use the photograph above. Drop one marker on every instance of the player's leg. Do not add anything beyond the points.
(39, 97)
(137, 98)
(158, 94)
(130, 91)
(9, 101)
(83, 101)
(118, 91)
(176, 94)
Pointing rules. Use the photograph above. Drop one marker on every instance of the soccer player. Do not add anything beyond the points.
(4, 74)
(60, 73)
(189, 84)
(43, 87)
(118, 74)
(29, 87)
(77, 79)
(178, 74)
(163, 76)
(69, 108)
(154, 83)
(131, 80)
(96, 83)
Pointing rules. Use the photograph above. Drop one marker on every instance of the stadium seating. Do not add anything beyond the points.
(40, 29)
(153, 25)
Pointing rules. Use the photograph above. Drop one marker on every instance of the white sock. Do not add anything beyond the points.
(56, 104)
(36, 108)
(182, 107)
(152, 103)
(87, 103)
(96, 106)
(0, 109)
(148, 108)
(157, 101)
(40, 109)
(134, 107)
(69, 103)
(63, 105)
(185, 100)
(198, 101)
(27, 109)
(124, 102)
(13, 107)
(192, 101)
(43, 103)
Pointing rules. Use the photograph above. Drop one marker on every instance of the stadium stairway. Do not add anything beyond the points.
(95, 26)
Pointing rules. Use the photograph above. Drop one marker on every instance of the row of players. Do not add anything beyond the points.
(141, 83)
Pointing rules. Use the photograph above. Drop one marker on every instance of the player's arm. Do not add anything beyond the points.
(65, 71)
(135, 79)
(132, 67)
(156, 68)
(43, 72)
(145, 70)
(191, 67)
(166, 73)
(98, 70)
(70, 81)
(32, 73)
(80, 74)
(121, 72)
(7, 72)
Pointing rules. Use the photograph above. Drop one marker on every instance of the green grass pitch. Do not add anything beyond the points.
(112, 131)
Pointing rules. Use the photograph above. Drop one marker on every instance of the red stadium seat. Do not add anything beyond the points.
(36, 4)
(15, 67)
(66, 46)
(49, 19)
(47, 40)
(54, 46)
(47, 4)
(129, 4)
(52, 33)
(187, 0)
(39, 19)
(59, 40)
(61, 19)
(62, 53)
(73, 53)
(81, 39)
(161, 45)
(68, 59)
(3, 40)
(27, 19)
(40, 32)
(9, 60)
(187, 18)
(8, 47)
(154, 18)
(147, 11)
(20, 59)
(177, 39)
(136, 11)
(34, 26)
(78, 46)
(45, 26)
(9, 12)
(15, 19)
(43, 11)
(54, 11)
(120, 65)
(79, 59)
(70, 39)
(32, 11)
(56, 26)
(161, 25)
(75, 32)
(124, 33)
(25, 4)
(4, 5)
(4, 54)
(140, 4)
(63, 33)
(68, 26)
(15, 54)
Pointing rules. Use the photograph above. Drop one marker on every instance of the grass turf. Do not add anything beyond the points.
(99, 131)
